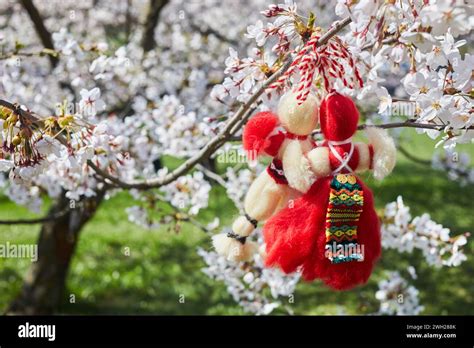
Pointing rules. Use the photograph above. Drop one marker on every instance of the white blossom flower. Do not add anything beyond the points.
(190, 191)
(64, 42)
(397, 297)
(6, 165)
(442, 16)
(419, 83)
(257, 32)
(245, 284)
(385, 104)
(90, 103)
(401, 232)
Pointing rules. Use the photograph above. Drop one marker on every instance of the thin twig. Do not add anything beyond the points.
(43, 52)
(41, 30)
(412, 157)
(148, 39)
(39, 220)
(27, 115)
(406, 124)
(33, 221)
(211, 175)
(410, 124)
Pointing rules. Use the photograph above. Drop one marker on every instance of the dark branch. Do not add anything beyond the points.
(21, 113)
(231, 127)
(225, 134)
(413, 158)
(40, 220)
(407, 124)
(210, 31)
(43, 33)
(148, 40)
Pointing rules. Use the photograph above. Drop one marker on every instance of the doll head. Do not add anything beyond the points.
(298, 119)
(338, 117)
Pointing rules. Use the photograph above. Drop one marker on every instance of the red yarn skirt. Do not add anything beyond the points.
(296, 236)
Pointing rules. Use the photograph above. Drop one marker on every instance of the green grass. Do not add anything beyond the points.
(163, 265)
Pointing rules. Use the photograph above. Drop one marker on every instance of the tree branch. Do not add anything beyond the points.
(413, 158)
(148, 39)
(20, 112)
(35, 220)
(230, 128)
(406, 124)
(210, 31)
(211, 175)
(43, 33)
(409, 124)
(39, 220)
(224, 135)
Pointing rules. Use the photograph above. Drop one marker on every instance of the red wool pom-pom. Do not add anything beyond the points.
(255, 138)
(338, 117)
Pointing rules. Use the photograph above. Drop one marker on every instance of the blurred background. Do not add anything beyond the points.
(179, 48)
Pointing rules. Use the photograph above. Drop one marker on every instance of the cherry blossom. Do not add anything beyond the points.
(90, 102)
(402, 232)
(246, 282)
(120, 107)
(397, 297)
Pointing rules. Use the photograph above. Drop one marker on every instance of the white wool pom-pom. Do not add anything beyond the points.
(297, 118)
(232, 249)
(385, 151)
(242, 226)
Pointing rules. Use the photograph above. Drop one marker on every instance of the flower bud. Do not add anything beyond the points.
(3, 113)
(16, 140)
(11, 120)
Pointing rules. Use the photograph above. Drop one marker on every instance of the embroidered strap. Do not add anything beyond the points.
(346, 202)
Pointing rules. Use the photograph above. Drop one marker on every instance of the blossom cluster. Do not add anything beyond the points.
(284, 34)
(456, 165)
(397, 297)
(416, 41)
(246, 283)
(403, 233)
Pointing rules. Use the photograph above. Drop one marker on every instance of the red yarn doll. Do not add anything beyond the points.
(332, 232)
